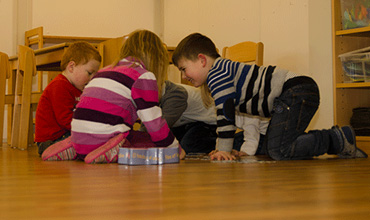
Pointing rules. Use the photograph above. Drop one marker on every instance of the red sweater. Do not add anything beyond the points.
(55, 109)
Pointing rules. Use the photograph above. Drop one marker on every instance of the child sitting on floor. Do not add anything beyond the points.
(114, 99)
(193, 124)
(54, 111)
(289, 99)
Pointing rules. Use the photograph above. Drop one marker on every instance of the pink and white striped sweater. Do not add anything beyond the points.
(112, 102)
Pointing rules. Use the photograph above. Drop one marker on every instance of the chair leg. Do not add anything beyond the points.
(15, 125)
(2, 106)
(22, 109)
(31, 133)
(10, 124)
(25, 112)
(10, 107)
(4, 71)
(1, 127)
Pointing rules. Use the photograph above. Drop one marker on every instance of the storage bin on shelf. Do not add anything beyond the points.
(355, 13)
(356, 65)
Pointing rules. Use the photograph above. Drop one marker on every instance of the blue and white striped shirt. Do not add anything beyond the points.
(252, 88)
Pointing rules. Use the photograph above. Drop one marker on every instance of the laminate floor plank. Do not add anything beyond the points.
(324, 188)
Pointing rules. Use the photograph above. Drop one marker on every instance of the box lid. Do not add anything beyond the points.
(362, 50)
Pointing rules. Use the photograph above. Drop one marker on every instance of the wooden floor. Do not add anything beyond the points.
(311, 189)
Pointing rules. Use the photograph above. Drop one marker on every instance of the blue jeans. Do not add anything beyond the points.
(239, 140)
(292, 112)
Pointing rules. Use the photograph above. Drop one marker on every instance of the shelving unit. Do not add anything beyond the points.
(348, 95)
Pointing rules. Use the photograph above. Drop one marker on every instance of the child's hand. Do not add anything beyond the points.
(234, 152)
(242, 153)
(238, 153)
(182, 154)
(212, 152)
(221, 155)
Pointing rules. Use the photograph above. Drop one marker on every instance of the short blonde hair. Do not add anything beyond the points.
(147, 47)
(81, 53)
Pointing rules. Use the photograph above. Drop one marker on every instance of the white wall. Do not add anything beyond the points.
(108, 18)
(225, 22)
(320, 59)
(282, 25)
(7, 37)
(7, 26)
(284, 31)
(296, 33)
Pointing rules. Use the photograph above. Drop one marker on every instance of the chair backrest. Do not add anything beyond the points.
(34, 36)
(4, 66)
(22, 117)
(27, 68)
(110, 50)
(245, 52)
(4, 74)
(26, 60)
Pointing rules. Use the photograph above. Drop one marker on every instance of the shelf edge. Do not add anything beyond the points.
(353, 31)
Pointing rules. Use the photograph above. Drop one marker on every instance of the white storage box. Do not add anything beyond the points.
(356, 65)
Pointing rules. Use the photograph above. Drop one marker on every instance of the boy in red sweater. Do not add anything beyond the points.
(54, 111)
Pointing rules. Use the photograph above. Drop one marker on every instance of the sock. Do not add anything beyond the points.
(336, 142)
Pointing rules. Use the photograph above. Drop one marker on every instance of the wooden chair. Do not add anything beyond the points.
(245, 52)
(22, 128)
(110, 49)
(6, 98)
(37, 37)
(34, 37)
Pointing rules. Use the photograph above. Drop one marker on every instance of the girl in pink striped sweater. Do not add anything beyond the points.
(114, 99)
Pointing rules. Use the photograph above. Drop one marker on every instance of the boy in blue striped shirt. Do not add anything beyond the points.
(289, 99)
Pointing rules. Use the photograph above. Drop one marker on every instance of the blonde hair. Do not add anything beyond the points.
(81, 53)
(206, 95)
(148, 48)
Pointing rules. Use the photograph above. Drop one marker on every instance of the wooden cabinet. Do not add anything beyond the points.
(348, 95)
